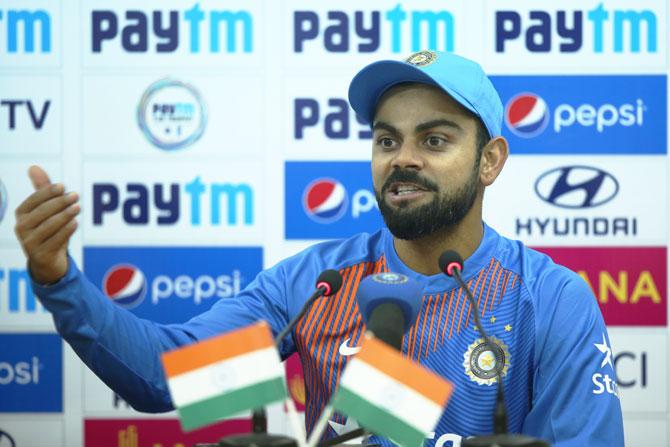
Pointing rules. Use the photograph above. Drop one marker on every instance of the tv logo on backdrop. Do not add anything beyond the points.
(169, 204)
(612, 30)
(329, 200)
(23, 113)
(584, 114)
(31, 373)
(331, 117)
(630, 283)
(171, 284)
(171, 114)
(26, 31)
(399, 29)
(207, 31)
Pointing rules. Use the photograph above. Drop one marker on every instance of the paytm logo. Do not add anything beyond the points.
(165, 204)
(16, 294)
(330, 117)
(31, 373)
(26, 31)
(366, 31)
(584, 114)
(329, 200)
(136, 31)
(611, 30)
(171, 284)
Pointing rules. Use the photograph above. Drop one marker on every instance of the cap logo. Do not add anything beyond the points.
(422, 58)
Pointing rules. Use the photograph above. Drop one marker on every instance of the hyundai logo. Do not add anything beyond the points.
(576, 187)
(6, 440)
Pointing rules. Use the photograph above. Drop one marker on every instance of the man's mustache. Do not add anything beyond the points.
(408, 176)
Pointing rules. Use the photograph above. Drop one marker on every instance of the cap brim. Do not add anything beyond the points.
(371, 82)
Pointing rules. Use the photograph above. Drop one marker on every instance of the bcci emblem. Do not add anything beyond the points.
(171, 114)
(422, 58)
(482, 365)
(389, 278)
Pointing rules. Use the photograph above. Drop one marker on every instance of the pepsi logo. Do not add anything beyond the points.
(526, 115)
(125, 284)
(325, 200)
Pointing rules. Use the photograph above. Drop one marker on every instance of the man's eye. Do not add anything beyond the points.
(435, 141)
(386, 143)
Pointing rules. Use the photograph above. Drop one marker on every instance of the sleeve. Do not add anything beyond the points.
(124, 350)
(575, 401)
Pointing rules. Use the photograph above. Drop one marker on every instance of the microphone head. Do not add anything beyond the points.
(331, 280)
(449, 261)
(390, 288)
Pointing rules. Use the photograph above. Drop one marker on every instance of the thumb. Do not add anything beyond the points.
(38, 177)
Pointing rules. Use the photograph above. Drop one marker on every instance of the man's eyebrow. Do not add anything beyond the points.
(437, 123)
(385, 126)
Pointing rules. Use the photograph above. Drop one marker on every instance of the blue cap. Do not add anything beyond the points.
(461, 78)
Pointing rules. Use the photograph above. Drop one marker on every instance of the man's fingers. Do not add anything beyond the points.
(44, 211)
(49, 227)
(61, 238)
(39, 177)
(38, 197)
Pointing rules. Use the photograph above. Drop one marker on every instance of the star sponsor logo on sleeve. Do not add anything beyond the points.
(482, 363)
(602, 382)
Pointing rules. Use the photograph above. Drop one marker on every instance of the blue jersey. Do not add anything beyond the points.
(551, 344)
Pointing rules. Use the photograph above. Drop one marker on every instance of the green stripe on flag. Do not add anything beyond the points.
(377, 419)
(204, 412)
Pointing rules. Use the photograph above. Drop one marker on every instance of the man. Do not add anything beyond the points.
(437, 144)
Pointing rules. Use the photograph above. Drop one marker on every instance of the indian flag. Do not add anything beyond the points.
(391, 395)
(224, 375)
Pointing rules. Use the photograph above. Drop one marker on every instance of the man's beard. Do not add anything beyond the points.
(442, 213)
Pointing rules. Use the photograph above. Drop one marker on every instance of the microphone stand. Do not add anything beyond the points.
(500, 438)
(328, 283)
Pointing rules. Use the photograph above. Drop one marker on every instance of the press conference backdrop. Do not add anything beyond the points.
(208, 140)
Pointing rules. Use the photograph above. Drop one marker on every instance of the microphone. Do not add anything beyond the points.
(328, 283)
(451, 264)
(389, 304)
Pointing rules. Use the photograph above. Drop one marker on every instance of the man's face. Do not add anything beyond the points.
(424, 166)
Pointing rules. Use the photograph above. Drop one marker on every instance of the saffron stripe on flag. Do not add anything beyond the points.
(221, 377)
(210, 410)
(215, 349)
(378, 420)
(422, 380)
(390, 395)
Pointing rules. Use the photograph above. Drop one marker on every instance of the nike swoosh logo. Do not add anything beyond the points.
(347, 350)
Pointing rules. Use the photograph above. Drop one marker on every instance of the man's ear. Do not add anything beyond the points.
(493, 159)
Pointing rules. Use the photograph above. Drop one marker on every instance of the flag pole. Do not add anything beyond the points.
(320, 426)
(297, 427)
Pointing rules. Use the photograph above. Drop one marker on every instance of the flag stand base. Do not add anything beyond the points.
(508, 440)
(257, 440)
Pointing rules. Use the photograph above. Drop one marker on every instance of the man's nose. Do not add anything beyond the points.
(408, 156)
